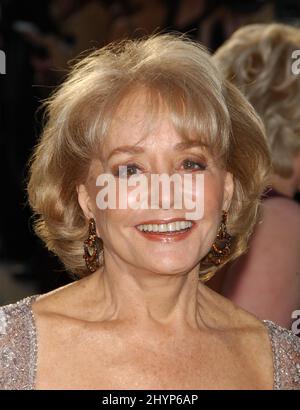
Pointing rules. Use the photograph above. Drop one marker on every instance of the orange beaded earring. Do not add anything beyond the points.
(92, 248)
(221, 248)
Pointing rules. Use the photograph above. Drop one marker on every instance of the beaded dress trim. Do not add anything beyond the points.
(18, 346)
(286, 357)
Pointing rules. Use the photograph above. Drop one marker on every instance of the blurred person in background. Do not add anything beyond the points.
(139, 18)
(226, 16)
(209, 22)
(266, 280)
(79, 25)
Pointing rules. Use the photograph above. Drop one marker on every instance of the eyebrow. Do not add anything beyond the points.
(132, 149)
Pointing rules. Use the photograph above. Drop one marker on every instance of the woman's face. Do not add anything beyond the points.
(159, 240)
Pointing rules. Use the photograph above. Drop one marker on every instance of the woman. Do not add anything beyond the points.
(259, 60)
(140, 316)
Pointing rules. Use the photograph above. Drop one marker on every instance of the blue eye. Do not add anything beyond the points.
(193, 165)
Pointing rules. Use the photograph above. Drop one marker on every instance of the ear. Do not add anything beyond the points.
(84, 201)
(228, 190)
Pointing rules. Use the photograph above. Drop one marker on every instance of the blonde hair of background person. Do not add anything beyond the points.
(266, 280)
(144, 318)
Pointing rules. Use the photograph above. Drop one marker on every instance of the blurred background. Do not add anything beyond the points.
(39, 39)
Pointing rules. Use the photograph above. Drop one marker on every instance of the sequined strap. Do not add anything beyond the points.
(286, 357)
(18, 346)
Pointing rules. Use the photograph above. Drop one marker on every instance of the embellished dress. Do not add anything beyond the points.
(18, 350)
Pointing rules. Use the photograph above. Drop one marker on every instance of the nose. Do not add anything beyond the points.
(165, 191)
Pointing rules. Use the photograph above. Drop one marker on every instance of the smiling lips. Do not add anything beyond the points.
(166, 231)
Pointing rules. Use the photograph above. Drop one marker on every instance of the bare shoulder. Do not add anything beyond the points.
(70, 301)
(286, 210)
(280, 220)
(243, 332)
(224, 314)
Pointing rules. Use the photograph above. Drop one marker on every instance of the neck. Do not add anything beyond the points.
(143, 297)
(286, 186)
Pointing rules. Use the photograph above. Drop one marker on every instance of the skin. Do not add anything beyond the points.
(145, 321)
(266, 280)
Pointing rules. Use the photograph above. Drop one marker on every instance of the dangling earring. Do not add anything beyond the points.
(91, 248)
(221, 248)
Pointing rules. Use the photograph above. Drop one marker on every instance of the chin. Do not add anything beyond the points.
(165, 266)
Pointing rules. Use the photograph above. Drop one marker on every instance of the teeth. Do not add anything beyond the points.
(170, 227)
(162, 228)
(183, 225)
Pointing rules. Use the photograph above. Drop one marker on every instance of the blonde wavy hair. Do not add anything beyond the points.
(258, 60)
(201, 105)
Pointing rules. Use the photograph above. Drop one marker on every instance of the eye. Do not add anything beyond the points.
(125, 171)
(191, 165)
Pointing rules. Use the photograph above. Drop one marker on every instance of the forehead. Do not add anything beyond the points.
(136, 123)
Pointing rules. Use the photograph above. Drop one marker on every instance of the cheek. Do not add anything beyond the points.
(111, 223)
